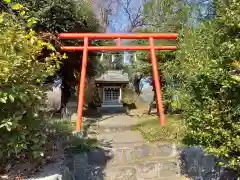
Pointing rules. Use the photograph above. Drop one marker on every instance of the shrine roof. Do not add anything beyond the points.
(113, 76)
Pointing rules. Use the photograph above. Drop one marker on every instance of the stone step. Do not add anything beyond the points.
(101, 128)
(155, 169)
(145, 170)
(143, 153)
(123, 137)
(128, 156)
(112, 129)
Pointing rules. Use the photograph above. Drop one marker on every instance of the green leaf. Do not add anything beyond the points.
(64, 56)
(1, 18)
(31, 21)
(9, 124)
(17, 6)
(7, 1)
(5, 69)
(11, 98)
(22, 13)
(50, 46)
(3, 100)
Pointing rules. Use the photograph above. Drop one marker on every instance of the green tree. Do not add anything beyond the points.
(62, 15)
(165, 16)
(66, 16)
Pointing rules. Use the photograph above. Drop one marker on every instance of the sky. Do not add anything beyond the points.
(119, 22)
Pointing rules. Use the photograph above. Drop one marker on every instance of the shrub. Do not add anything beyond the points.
(207, 66)
(22, 95)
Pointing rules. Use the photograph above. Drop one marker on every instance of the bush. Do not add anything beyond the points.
(207, 66)
(22, 95)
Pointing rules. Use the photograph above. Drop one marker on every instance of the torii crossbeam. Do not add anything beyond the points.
(102, 36)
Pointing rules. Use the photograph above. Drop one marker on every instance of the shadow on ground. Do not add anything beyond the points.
(90, 165)
(198, 165)
(88, 160)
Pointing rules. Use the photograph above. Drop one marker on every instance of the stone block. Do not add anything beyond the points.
(148, 170)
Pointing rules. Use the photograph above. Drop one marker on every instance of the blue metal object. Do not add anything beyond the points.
(78, 134)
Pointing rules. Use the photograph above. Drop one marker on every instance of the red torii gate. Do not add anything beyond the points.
(98, 36)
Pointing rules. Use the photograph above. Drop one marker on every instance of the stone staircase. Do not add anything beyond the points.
(125, 155)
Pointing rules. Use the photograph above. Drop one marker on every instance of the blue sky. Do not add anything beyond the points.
(119, 21)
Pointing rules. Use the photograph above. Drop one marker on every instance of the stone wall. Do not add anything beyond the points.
(198, 165)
